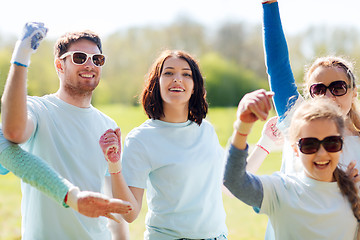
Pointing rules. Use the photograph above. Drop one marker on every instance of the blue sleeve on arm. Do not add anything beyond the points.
(243, 185)
(281, 78)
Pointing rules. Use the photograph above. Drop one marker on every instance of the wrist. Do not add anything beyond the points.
(21, 55)
(243, 128)
(71, 198)
(263, 148)
(268, 1)
(114, 167)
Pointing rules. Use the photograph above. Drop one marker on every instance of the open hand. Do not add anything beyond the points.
(94, 205)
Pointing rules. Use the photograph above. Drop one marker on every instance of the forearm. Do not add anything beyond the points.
(281, 78)
(121, 191)
(255, 159)
(244, 186)
(34, 171)
(119, 230)
(13, 105)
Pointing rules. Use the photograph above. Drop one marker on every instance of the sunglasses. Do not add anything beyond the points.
(337, 88)
(312, 145)
(80, 58)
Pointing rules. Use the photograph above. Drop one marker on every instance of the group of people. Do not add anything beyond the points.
(71, 154)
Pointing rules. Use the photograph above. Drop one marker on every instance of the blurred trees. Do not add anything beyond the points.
(231, 58)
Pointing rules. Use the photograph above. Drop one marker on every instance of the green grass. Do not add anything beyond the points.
(242, 222)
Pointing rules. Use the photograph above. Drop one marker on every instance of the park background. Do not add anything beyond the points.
(225, 36)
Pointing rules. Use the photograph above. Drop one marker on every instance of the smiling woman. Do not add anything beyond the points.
(175, 155)
(291, 201)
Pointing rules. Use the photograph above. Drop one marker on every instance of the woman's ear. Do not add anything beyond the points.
(59, 65)
(355, 93)
(296, 149)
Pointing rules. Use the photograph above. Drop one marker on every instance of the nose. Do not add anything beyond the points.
(177, 78)
(329, 94)
(321, 151)
(89, 62)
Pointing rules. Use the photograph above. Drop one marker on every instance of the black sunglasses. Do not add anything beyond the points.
(337, 88)
(80, 58)
(312, 145)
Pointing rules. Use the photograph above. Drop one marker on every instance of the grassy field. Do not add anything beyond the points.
(242, 222)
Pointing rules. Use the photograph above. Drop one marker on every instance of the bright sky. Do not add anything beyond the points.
(107, 16)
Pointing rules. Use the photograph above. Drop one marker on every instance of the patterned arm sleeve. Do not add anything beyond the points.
(281, 78)
(34, 171)
(243, 185)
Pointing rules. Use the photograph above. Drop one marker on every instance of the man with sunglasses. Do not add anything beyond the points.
(62, 128)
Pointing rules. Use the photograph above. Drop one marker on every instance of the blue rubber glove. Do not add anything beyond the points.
(28, 43)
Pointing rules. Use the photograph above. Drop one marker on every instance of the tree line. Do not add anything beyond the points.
(231, 58)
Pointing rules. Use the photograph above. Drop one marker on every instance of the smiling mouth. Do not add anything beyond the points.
(87, 75)
(322, 164)
(177, 90)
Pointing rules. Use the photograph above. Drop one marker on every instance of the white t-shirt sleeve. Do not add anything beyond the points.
(274, 187)
(135, 164)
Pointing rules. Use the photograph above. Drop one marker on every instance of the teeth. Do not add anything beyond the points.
(322, 163)
(87, 75)
(177, 89)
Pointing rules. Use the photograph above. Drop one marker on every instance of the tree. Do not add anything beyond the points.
(226, 82)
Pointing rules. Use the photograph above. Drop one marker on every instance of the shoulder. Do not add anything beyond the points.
(143, 129)
(279, 180)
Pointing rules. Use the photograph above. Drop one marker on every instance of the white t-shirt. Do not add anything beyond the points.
(181, 165)
(306, 199)
(67, 137)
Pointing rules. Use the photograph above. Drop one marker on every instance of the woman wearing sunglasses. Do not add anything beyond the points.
(328, 76)
(319, 203)
(331, 77)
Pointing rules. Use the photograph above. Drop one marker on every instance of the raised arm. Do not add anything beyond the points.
(15, 123)
(243, 185)
(271, 139)
(281, 78)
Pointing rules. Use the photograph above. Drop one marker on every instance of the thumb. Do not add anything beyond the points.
(118, 132)
(112, 217)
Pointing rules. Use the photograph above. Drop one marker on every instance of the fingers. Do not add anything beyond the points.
(118, 133)
(270, 129)
(356, 179)
(111, 135)
(110, 139)
(350, 168)
(36, 31)
(255, 105)
(353, 172)
(119, 206)
(112, 217)
(93, 204)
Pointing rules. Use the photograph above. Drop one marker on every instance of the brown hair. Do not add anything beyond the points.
(63, 43)
(347, 67)
(151, 98)
(323, 108)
